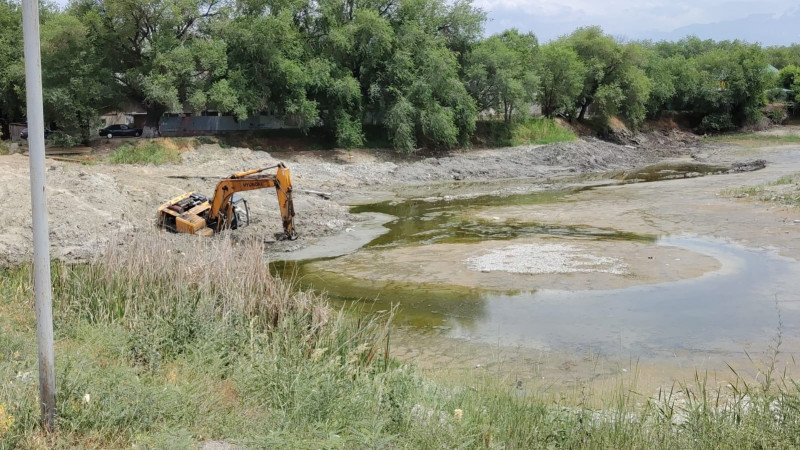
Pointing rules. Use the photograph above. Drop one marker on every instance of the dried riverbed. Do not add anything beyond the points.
(571, 279)
(553, 263)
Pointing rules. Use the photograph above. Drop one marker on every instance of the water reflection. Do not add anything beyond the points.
(727, 310)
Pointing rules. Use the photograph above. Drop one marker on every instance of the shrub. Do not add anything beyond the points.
(776, 114)
(717, 122)
(60, 139)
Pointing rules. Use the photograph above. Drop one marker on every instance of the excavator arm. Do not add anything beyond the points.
(221, 212)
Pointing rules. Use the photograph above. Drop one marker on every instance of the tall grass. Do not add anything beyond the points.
(155, 152)
(531, 131)
(540, 130)
(163, 348)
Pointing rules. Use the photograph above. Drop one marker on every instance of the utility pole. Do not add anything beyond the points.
(41, 239)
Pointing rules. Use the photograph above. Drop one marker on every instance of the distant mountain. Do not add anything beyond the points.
(768, 29)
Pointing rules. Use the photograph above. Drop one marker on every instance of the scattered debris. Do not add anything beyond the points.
(545, 259)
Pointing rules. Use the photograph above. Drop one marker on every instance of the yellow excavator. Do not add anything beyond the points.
(197, 214)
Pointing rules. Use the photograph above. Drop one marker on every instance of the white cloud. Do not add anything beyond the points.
(624, 17)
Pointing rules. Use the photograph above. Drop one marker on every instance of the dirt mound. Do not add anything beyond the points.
(90, 204)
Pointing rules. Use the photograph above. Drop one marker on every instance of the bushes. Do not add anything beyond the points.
(717, 122)
(60, 139)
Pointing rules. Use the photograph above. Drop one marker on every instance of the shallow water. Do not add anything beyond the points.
(744, 306)
(730, 310)
(420, 222)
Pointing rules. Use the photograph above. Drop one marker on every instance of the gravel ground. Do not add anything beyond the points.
(88, 205)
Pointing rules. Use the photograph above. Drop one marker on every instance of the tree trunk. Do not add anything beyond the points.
(151, 123)
(584, 107)
(5, 130)
(547, 109)
(507, 109)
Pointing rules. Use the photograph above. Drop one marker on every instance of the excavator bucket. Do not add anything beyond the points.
(284, 188)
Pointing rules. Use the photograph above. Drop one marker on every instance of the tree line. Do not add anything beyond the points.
(420, 70)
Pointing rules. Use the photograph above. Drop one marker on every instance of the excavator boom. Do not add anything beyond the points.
(194, 213)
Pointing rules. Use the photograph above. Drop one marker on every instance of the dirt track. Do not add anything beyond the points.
(88, 204)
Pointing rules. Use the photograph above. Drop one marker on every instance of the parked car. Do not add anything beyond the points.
(120, 130)
(24, 133)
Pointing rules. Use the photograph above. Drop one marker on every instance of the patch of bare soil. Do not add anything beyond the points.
(527, 264)
(88, 204)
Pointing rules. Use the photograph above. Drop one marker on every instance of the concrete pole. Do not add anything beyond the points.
(41, 239)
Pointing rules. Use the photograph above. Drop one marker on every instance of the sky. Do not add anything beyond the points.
(771, 22)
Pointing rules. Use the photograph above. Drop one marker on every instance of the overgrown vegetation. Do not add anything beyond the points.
(155, 152)
(420, 70)
(161, 349)
(540, 130)
(785, 190)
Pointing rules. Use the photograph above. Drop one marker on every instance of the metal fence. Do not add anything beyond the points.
(193, 125)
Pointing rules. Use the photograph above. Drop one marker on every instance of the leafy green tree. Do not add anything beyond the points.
(501, 73)
(162, 53)
(12, 70)
(614, 80)
(789, 78)
(732, 84)
(395, 64)
(783, 56)
(75, 84)
(342, 64)
(603, 59)
(270, 67)
(561, 75)
(636, 88)
(433, 106)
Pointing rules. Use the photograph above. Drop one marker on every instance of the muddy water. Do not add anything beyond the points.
(741, 302)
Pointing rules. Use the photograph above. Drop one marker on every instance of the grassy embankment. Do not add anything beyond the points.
(785, 190)
(150, 151)
(168, 349)
(535, 131)
(755, 139)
